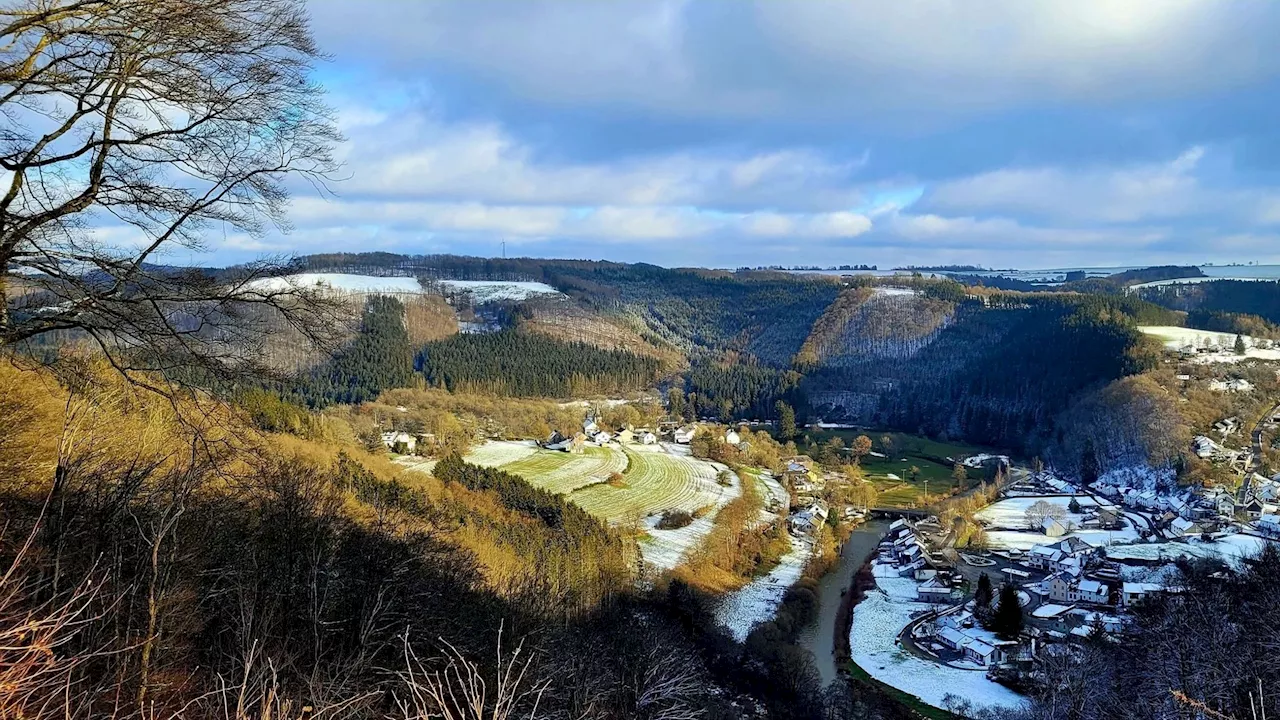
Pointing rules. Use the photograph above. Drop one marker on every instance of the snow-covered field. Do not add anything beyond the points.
(666, 549)
(497, 453)
(338, 282)
(742, 610)
(894, 291)
(493, 290)
(1011, 513)
(1177, 338)
(1232, 549)
(877, 620)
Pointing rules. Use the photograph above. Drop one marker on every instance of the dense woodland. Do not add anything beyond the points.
(526, 364)
(379, 358)
(1236, 297)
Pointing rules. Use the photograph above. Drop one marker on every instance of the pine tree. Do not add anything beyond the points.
(982, 598)
(786, 421)
(1074, 506)
(1239, 346)
(1006, 622)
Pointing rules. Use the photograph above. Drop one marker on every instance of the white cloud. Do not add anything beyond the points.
(818, 58)
(411, 156)
(1146, 192)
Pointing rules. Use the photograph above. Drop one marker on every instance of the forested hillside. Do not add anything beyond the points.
(999, 374)
(1209, 299)
(379, 358)
(524, 364)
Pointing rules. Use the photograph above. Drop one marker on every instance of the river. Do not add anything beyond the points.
(819, 639)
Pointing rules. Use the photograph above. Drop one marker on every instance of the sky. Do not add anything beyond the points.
(726, 133)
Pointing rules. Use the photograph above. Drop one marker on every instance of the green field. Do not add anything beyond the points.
(908, 450)
(561, 472)
(654, 482)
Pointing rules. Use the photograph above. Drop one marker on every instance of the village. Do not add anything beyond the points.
(1068, 563)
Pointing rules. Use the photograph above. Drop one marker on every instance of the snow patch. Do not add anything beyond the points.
(336, 282)
(497, 453)
(877, 620)
(740, 611)
(483, 291)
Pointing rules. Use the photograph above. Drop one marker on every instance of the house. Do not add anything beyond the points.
(1269, 525)
(601, 437)
(1058, 587)
(574, 445)
(401, 443)
(589, 427)
(808, 520)
(684, 435)
(648, 438)
(1179, 527)
(954, 639)
(1132, 593)
(1052, 527)
(731, 438)
(933, 590)
(1092, 591)
(1226, 426)
(1204, 447)
(983, 653)
(1252, 508)
(626, 437)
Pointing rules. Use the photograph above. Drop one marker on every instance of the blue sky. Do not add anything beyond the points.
(1002, 133)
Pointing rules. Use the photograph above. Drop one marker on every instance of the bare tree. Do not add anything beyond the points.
(459, 690)
(129, 128)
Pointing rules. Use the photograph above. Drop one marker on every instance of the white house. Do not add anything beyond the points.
(1092, 591)
(590, 427)
(684, 435)
(602, 437)
(400, 442)
(1269, 525)
(648, 438)
(1132, 593)
(731, 437)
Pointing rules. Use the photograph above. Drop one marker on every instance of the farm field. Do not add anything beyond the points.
(891, 475)
(655, 481)
(561, 472)
(497, 453)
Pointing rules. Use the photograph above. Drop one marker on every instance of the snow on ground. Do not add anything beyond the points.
(497, 453)
(743, 609)
(495, 290)
(976, 461)
(894, 291)
(894, 585)
(877, 620)
(338, 282)
(666, 549)
(1232, 549)
(1011, 513)
(1177, 338)
(1142, 477)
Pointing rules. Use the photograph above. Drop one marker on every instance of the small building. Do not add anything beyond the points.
(684, 435)
(1269, 525)
(1132, 593)
(1092, 591)
(601, 437)
(648, 438)
(1052, 527)
(626, 437)
(401, 443)
(731, 437)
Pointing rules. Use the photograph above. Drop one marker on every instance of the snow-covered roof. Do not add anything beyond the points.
(1093, 587)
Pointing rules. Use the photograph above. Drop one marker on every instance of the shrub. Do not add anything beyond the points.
(674, 520)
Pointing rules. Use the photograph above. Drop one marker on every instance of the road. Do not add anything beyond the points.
(820, 638)
(1256, 461)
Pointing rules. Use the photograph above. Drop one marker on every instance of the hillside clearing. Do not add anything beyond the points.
(498, 453)
(561, 472)
(657, 480)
